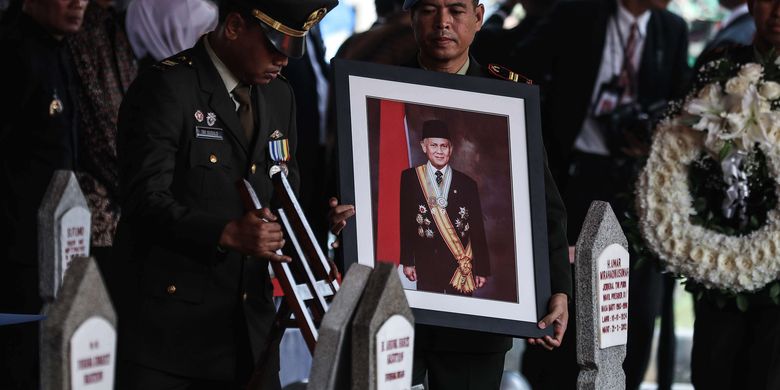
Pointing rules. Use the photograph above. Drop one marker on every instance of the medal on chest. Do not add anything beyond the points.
(279, 151)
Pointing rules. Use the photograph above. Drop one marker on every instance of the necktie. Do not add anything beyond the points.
(628, 73)
(242, 95)
(439, 178)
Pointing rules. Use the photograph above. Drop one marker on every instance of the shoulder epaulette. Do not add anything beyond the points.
(184, 60)
(172, 62)
(503, 73)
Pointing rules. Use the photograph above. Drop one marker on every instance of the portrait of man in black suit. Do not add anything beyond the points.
(443, 244)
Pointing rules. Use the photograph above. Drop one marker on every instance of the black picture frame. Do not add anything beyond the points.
(356, 84)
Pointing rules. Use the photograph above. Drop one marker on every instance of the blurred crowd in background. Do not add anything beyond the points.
(118, 39)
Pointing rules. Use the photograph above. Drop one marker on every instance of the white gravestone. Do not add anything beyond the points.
(601, 282)
(78, 338)
(332, 364)
(92, 358)
(74, 236)
(63, 231)
(377, 321)
(613, 272)
(394, 341)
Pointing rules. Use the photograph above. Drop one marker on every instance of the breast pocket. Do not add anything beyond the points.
(210, 168)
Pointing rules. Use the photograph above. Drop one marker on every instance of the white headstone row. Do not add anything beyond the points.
(367, 337)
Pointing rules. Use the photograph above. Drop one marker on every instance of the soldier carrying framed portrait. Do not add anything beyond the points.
(447, 174)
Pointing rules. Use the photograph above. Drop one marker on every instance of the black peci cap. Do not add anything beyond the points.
(286, 22)
(435, 129)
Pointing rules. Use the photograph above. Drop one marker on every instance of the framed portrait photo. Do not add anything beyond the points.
(446, 175)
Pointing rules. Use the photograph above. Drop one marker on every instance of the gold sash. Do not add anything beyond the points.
(463, 279)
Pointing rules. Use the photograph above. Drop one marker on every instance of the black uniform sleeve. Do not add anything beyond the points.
(294, 175)
(557, 243)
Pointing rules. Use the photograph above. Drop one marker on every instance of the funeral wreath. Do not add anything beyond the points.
(707, 198)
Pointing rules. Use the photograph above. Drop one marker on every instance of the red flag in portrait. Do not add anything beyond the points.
(393, 159)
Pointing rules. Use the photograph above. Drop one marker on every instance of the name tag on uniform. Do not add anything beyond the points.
(209, 133)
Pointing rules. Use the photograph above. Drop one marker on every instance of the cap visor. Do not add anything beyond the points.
(290, 46)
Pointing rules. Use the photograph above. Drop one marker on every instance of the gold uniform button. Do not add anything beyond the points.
(253, 168)
(213, 158)
(171, 289)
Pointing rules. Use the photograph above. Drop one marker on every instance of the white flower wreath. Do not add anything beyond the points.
(716, 260)
(664, 202)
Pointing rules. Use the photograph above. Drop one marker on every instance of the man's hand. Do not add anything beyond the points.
(338, 216)
(410, 272)
(559, 317)
(255, 234)
(480, 281)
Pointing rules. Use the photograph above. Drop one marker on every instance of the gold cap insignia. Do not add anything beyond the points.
(314, 18)
(277, 25)
(276, 134)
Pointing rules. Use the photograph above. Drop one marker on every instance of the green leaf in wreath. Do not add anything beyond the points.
(700, 204)
(725, 150)
(720, 301)
(688, 120)
(639, 263)
(629, 222)
(742, 303)
(774, 291)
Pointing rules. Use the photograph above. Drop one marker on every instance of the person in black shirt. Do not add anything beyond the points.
(38, 135)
